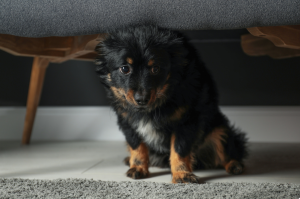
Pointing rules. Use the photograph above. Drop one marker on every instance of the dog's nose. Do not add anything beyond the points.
(141, 98)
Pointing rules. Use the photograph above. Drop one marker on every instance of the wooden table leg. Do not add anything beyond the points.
(39, 67)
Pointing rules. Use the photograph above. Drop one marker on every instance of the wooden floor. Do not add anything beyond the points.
(102, 160)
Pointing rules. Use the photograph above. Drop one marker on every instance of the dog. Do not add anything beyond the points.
(167, 104)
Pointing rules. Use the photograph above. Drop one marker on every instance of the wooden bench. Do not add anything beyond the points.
(46, 50)
(277, 42)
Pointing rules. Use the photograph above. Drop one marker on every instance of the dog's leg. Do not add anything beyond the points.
(139, 160)
(181, 167)
(139, 154)
(217, 139)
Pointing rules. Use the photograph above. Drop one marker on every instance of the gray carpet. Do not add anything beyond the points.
(82, 188)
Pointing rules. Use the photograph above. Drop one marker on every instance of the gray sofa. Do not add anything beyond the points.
(40, 18)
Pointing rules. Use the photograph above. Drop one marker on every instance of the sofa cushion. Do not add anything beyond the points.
(39, 18)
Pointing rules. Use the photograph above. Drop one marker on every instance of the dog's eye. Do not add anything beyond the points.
(125, 69)
(155, 70)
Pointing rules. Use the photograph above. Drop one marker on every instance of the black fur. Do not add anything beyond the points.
(190, 88)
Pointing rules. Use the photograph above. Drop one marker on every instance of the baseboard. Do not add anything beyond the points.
(262, 124)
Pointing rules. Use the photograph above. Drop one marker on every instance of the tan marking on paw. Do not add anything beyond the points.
(217, 137)
(179, 163)
(185, 177)
(137, 172)
(181, 167)
(139, 161)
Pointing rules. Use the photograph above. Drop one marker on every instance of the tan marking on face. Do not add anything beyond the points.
(129, 60)
(180, 166)
(140, 155)
(168, 76)
(152, 96)
(118, 92)
(178, 113)
(109, 77)
(130, 98)
(160, 92)
(216, 138)
(151, 62)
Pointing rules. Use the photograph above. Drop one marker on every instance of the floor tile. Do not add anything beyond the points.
(102, 160)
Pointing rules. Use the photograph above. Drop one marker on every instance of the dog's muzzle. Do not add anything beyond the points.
(142, 98)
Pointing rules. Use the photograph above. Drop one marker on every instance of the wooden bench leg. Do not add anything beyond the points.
(39, 67)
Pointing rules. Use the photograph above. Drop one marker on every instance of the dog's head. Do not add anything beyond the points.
(138, 64)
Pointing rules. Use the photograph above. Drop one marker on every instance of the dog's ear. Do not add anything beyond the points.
(103, 72)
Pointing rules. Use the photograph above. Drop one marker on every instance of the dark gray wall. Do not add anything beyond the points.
(242, 80)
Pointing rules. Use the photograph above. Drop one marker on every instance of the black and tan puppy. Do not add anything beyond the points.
(167, 104)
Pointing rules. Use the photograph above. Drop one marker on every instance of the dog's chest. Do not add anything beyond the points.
(151, 136)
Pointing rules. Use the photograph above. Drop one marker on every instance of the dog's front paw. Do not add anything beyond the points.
(185, 177)
(137, 173)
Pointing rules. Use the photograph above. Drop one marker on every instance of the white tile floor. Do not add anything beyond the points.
(268, 162)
